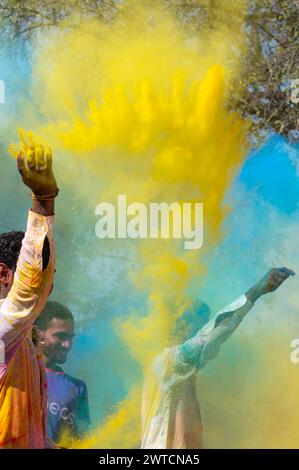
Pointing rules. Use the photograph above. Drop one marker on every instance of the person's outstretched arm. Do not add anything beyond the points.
(32, 281)
(176, 364)
(206, 343)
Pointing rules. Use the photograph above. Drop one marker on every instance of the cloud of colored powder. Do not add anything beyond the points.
(138, 107)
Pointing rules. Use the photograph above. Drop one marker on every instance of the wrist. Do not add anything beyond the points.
(255, 293)
(44, 203)
(45, 208)
(45, 196)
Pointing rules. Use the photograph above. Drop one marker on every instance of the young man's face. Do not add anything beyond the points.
(58, 338)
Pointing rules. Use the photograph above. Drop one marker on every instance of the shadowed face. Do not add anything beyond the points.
(6, 280)
(58, 338)
(192, 320)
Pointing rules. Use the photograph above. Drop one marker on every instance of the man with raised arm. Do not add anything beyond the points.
(26, 279)
(170, 408)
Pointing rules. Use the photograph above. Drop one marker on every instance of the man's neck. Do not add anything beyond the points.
(51, 365)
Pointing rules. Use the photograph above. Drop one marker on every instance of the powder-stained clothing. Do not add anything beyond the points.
(23, 398)
(170, 409)
(68, 410)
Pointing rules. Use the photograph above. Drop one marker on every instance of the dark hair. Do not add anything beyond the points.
(10, 247)
(191, 321)
(53, 310)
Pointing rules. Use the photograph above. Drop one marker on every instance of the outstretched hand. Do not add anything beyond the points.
(34, 163)
(274, 278)
(269, 283)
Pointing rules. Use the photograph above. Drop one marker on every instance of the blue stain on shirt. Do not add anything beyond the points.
(67, 408)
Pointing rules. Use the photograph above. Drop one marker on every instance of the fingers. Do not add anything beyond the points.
(31, 139)
(39, 160)
(278, 276)
(283, 273)
(21, 163)
(288, 271)
(34, 155)
(48, 158)
(39, 157)
(34, 162)
(31, 158)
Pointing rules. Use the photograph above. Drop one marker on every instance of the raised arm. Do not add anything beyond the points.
(32, 282)
(206, 343)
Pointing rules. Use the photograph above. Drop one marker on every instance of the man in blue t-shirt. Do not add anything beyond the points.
(67, 408)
